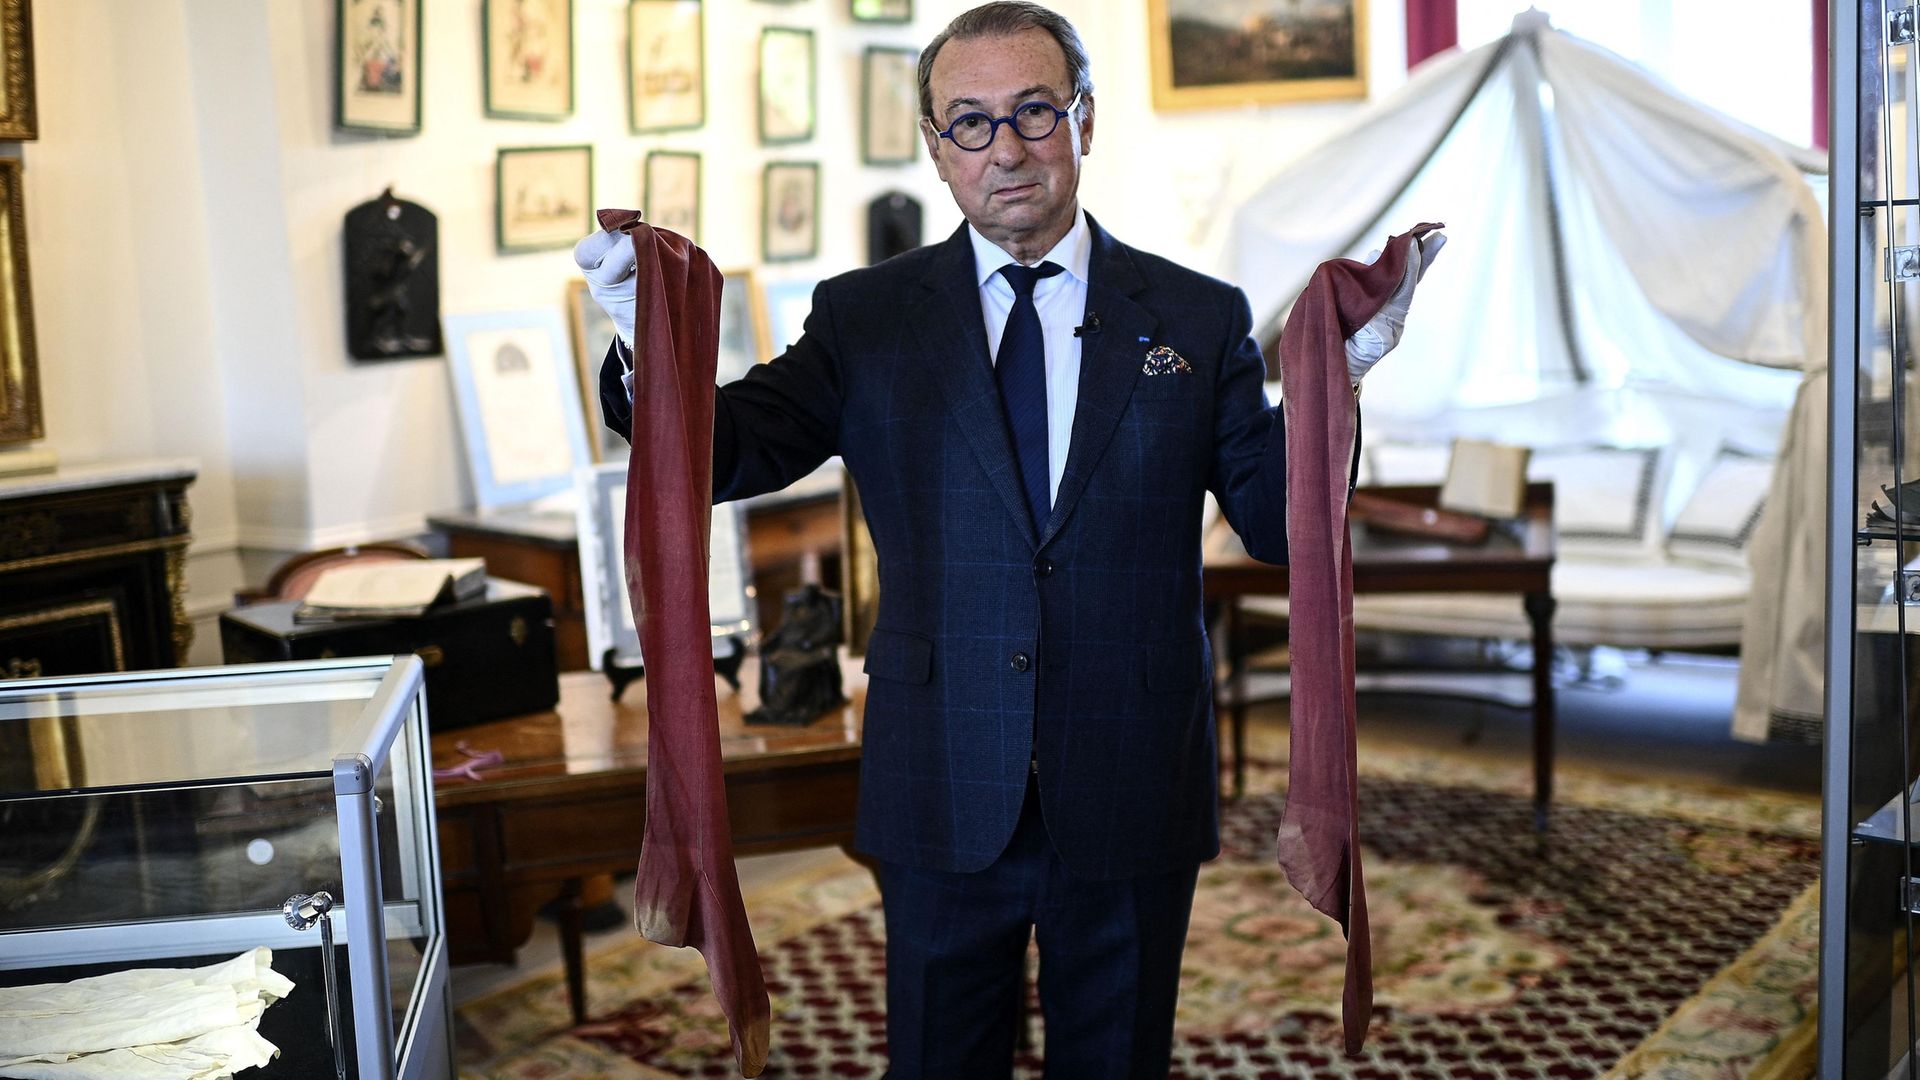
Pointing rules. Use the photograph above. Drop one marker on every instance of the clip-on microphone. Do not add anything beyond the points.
(1090, 327)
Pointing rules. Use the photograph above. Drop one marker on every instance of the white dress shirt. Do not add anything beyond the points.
(1061, 302)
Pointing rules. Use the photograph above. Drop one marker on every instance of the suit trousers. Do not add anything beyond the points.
(956, 964)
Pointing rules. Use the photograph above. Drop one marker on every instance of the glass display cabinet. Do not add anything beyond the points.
(179, 818)
(1870, 886)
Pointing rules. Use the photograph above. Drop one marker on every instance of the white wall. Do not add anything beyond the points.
(184, 206)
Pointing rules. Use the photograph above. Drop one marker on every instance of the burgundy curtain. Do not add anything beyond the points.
(1433, 26)
(1819, 73)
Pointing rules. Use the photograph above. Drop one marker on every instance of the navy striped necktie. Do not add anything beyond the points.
(1021, 370)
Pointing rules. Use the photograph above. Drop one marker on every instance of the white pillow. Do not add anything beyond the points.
(1605, 498)
(1719, 518)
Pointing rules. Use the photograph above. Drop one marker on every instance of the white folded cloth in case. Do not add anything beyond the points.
(143, 1024)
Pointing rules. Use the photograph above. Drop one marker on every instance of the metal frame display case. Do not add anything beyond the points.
(174, 819)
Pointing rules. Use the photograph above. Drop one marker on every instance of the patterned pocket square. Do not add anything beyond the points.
(1162, 360)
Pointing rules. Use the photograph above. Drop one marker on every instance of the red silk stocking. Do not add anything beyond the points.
(1319, 841)
(687, 892)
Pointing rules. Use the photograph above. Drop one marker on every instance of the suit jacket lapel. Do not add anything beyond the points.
(953, 337)
(1109, 365)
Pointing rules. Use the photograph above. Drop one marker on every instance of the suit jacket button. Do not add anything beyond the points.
(1021, 662)
(1043, 568)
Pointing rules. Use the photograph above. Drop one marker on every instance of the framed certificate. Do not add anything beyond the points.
(519, 405)
(601, 506)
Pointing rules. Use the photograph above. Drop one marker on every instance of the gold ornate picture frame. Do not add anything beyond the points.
(19, 113)
(20, 419)
(1210, 55)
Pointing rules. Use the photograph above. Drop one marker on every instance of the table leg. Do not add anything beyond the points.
(571, 954)
(1540, 613)
(1237, 680)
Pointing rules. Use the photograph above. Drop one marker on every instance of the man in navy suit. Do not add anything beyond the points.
(1034, 413)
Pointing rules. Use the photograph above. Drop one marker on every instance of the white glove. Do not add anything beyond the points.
(1382, 332)
(606, 261)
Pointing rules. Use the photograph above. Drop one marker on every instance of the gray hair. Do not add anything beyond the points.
(1001, 18)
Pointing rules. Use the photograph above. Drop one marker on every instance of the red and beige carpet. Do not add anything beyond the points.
(1658, 931)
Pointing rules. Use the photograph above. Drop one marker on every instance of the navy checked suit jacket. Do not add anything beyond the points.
(1081, 646)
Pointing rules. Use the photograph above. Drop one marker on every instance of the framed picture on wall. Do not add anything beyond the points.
(786, 84)
(528, 45)
(377, 66)
(544, 197)
(743, 327)
(889, 105)
(519, 405)
(592, 334)
(788, 303)
(20, 419)
(790, 211)
(666, 65)
(673, 192)
(883, 11)
(1211, 55)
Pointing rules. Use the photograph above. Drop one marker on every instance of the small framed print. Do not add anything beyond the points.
(544, 197)
(377, 73)
(601, 513)
(529, 58)
(883, 11)
(786, 85)
(743, 327)
(519, 405)
(889, 105)
(20, 418)
(19, 112)
(673, 192)
(666, 65)
(790, 211)
(593, 334)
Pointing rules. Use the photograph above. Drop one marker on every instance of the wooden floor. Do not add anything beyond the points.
(1665, 720)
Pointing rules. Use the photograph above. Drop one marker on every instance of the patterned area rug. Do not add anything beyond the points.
(1656, 932)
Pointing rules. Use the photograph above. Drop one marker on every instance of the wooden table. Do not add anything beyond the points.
(1517, 560)
(569, 803)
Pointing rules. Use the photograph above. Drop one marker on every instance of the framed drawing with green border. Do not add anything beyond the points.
(786, 85)
(666, 65)
(377, 66)
(883, 11)
(790, 211)
(543, 197)
(528, 54)
(889, 105)
(672, 194)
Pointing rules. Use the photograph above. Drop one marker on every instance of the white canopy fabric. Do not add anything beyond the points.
(1625, 266)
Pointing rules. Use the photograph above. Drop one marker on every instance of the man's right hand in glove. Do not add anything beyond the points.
(606, 261)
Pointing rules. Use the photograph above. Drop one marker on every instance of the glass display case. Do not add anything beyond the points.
(1870, 886)
(176, 819)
